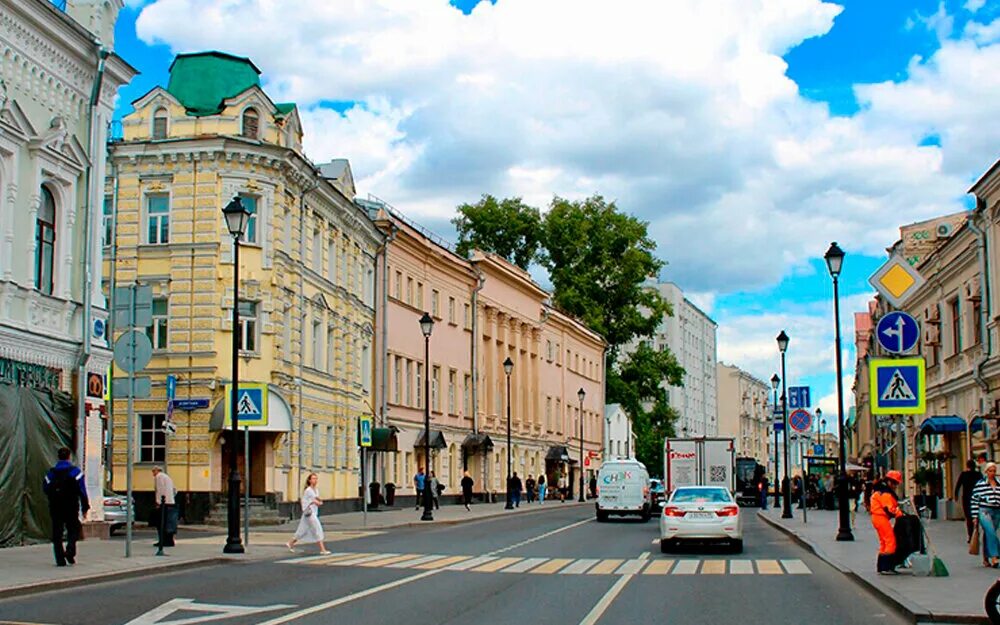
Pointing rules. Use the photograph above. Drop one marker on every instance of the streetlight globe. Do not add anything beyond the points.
(581, 394)
(237, 217)
(834, 259)
(775, 381)
(782, 342)
(508, 366)
(426, 324)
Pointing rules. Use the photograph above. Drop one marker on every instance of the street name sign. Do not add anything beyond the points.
(191, 404)
(798, 397)
(800, 420)
(896, 281)
(897, 332)
(897, 386)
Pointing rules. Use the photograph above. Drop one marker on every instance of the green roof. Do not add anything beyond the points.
(202, 81)
(284, 108)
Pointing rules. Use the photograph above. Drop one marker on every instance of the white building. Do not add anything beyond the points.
(619, 440)
(58, 80)
(744, 411)
(690, 335)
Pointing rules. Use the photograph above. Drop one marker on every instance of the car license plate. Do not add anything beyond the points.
(700, 515)
(611, 497)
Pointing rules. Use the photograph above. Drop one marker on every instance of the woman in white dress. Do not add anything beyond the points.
(309, 529)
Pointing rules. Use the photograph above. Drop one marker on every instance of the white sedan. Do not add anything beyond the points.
(701, 514)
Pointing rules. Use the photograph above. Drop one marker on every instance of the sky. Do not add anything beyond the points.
(749, 134)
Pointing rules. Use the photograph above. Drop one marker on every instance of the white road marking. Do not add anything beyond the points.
(686, 567)
(468, 564)
(216, 612)
(605, 602)
(740, 567)
(579, 567)
(795, 567)
(304, 559)
(363, 559)
(408, 563)
(524, 565)
(630, 567)
(537, 538)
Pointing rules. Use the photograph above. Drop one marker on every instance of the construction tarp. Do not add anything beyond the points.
(34, 424)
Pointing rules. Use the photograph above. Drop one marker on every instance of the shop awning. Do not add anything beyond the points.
(558, 453)
(384, 439)
(279, 415)
(943, 424)
(437, 440)
(476, 442)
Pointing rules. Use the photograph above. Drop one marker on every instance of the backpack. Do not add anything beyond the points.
(63, 490)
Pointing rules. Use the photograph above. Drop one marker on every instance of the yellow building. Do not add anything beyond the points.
(306, 288)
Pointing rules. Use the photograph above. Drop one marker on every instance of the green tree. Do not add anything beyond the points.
(507, 227)
(598, 259)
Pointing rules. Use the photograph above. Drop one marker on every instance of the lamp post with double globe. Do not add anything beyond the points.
(834, 262)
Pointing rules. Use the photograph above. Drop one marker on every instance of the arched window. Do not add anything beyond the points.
(160, 123)
(250, 123)
(45, 242)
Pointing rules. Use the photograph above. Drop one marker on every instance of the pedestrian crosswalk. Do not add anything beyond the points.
(560, 566)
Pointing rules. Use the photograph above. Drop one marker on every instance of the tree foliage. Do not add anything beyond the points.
(508, 227)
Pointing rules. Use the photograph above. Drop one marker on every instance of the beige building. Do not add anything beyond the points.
(306, 291)
(744, 411)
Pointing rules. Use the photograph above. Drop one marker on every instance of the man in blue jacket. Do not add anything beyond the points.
(67, 495)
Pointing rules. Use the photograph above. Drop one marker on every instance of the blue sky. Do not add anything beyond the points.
(748, 136)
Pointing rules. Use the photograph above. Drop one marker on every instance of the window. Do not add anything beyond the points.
(409, 291)
(340, 274)
(558, 416)
(452, 383)
(369, 291)
(548, 350)
(108, 218)
(397, 378)
(548, 414)
(331, 260)
(366, 368)
(331, 349)
(160, 123)
(315, 444)
(420, 385)
(317, 345)
(451, 310)
(288, 333)
(409, 382)
(317, 250)
(251, 124)
(435, 304)
(329, 445)
(288, 225)
(250, 203)
(160, 329)
(435, 385)
(956, 325)
(419, 303)
(152, 438)
(467, 395)
(247, 339)
(977, 321)
(157, 219)
(45, 242)
(399, 285)
(466, 316)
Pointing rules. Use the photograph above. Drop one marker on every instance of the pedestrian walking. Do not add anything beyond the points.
(166, 508)
(418, 486)
(541, 488)
(467, 483)
(310, 530)
(986, 511)
(529, 488)
(563, 485)
(593, 486)
(764, 484)
(67, 494)
(436, 490)
(515, 490)
(964, 486)
(884, 509)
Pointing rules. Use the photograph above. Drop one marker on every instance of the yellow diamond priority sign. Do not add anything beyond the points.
(896, 281)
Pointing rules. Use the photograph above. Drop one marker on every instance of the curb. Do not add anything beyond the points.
(58, 584)
(907, 608)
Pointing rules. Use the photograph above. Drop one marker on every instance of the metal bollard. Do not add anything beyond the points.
(163, 526)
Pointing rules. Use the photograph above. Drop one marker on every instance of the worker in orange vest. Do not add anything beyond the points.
(885, 506)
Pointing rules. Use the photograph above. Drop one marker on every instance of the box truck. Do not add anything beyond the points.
(699, 462)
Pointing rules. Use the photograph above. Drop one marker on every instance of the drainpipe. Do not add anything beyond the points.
(480, 282)
(85, 275)
(984, 312)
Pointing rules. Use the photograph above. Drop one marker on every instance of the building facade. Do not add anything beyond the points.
(619, 440)
(59, 78)
(306, 291)
(744, 411)
(485, 310)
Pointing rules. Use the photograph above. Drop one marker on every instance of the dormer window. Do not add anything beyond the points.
(250, 124)
(160, 123)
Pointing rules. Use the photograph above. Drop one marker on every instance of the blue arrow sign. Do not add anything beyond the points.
(897, 332)
(798, 397)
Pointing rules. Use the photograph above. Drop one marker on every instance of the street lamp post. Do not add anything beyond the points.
(581, 394)
(834, 262)
(786, 485)
(508, 368)
(426, 327)
(237, 217)
(775, 380)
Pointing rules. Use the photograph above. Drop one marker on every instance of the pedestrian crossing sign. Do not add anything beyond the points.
(897, 386)
(251, 405)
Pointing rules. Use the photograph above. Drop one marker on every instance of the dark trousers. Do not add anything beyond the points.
(970, 525)
(467, 498)
(516, 496)
(70, 523)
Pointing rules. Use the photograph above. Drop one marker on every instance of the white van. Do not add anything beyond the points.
(623, 489)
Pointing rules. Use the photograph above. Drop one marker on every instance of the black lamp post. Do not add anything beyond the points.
(786, 484)
(581, 394)
(426, 327)
(834, 262)
(775, 380)
(508, 368)
(237, 217)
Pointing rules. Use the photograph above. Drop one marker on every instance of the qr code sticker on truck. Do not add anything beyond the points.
(717, 473)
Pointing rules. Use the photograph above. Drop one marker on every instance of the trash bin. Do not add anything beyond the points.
(390, 494)
(374, 491)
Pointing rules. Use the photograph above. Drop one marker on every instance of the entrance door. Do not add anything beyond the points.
(258, 462)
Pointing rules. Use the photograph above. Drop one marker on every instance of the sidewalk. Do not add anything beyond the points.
(954, 599)
(30, 569)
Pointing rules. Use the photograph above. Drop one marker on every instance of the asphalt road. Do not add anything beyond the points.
(557, 567)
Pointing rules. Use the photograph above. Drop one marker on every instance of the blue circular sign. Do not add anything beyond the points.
(99, 328)
(800, 420)
(897, 332)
